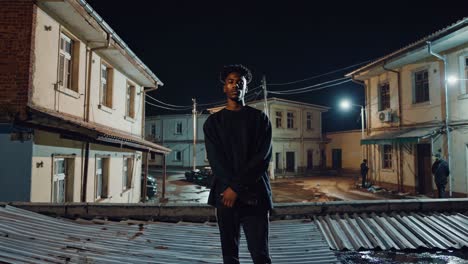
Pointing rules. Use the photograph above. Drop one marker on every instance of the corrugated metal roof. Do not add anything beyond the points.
(29, 237)
(395, 231)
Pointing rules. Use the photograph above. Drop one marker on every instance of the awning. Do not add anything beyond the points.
(414, 135)
(74, 128)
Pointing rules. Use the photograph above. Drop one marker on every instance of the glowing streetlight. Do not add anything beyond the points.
(345, 105)
(453, 79)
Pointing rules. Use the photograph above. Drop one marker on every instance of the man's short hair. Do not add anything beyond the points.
(239, 68)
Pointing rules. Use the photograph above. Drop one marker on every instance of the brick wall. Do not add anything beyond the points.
(17, 27)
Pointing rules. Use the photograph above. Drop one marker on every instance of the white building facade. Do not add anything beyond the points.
(78, 133)
(408, 109)
(176, 133)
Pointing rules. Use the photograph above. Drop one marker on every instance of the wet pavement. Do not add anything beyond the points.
(307, 189)
(421, 257)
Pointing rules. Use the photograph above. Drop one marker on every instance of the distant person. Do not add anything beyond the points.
(441, 171)
(238, 146)
(364, 170)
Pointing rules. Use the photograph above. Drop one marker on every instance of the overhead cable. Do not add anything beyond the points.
(320, 75)
(169, 105)
(168, 108)
(308, 90)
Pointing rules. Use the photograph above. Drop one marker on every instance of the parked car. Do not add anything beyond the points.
(201, 177)
(151, 186)
(190, 175)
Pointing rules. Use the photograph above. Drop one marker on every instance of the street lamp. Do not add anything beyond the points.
(453, 79)
(346, 105)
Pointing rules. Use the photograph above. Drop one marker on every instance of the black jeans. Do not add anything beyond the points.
(255, 224)
(363, 180)
(441, 190)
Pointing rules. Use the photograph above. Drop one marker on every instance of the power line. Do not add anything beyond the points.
(172, 109)
(320, 75)
(170, 105)
(310, 86)
(224, 101)
(309, 90)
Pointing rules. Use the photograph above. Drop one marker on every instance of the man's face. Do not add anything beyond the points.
(235, 86)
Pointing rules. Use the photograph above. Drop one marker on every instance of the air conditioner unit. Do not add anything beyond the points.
(385, 116)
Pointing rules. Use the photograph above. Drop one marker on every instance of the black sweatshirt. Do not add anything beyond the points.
(238, 145)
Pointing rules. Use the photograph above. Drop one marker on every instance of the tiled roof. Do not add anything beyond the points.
(28, 237)
(395, 230)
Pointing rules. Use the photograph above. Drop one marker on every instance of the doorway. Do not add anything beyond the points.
(310, 163)
(290, 163)
(423, 165)
(336, 159)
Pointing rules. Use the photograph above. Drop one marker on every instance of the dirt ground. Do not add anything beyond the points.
(310, 189)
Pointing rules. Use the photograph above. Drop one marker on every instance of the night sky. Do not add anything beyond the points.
(186, 43)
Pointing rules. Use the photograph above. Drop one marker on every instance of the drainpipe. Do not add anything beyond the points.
(447, 128)
(400, 152)
(86, 118)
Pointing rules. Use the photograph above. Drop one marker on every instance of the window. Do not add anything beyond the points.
(309, 121)
(127, 174)
(290, 120)
(278, 161)
(153, 156)
(279, 117)
(106, 85)
(178, 155)
(421, 86)
(65, 61)
(384, 96)
(387, 157)
(58, 181)
(102, 177)
(178, 129)
(153, 130)
(62, 180)
(130, 101)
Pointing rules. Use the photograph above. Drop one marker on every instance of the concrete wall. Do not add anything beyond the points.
(349, 143)
(15, 167)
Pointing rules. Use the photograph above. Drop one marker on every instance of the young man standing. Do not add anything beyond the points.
(238, 146)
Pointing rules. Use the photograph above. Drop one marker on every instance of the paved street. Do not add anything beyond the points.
(310, 189)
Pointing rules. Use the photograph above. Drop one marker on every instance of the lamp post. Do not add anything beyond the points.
(346, 104)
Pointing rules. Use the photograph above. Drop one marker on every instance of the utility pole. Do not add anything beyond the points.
(194, 114)
(265, 94)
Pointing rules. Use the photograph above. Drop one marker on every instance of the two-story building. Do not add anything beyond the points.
(296, 135)
(72, 98)
(414, 113)
(176, 132)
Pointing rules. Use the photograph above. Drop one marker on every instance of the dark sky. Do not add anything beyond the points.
(186, 43)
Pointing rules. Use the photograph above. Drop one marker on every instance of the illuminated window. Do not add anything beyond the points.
(309, 121)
